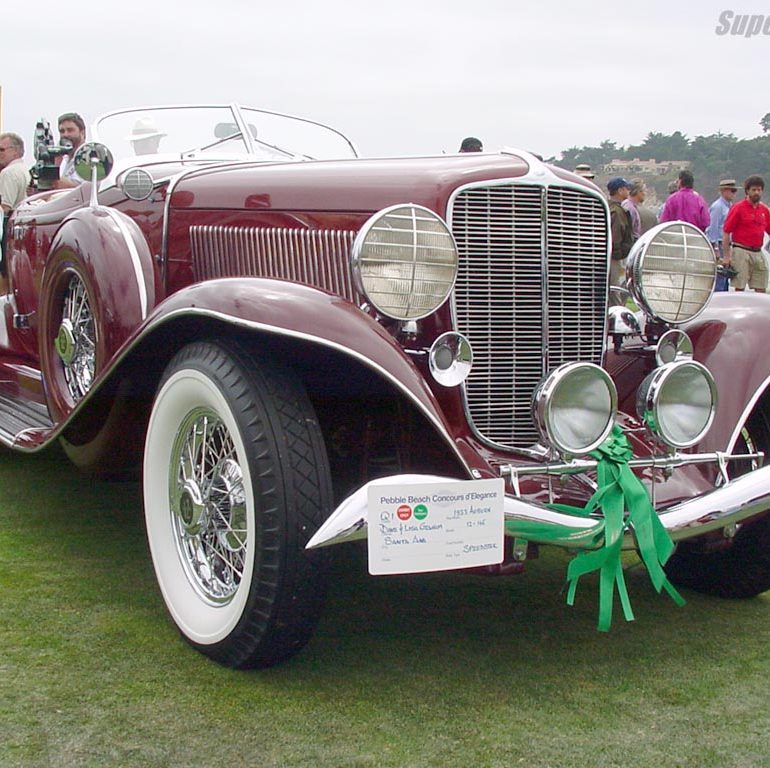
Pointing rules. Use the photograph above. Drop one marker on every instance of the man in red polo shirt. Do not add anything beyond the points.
(747, 223)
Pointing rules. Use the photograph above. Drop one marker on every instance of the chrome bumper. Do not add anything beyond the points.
(737, 500)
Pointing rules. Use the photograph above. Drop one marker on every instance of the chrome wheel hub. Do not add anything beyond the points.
(190, 507)
(76, 339)
(65, 341)
(208, 506)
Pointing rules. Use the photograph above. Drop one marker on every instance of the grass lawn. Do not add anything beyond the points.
(437, 670)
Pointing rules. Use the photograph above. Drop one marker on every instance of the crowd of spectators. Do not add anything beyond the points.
(738, 232)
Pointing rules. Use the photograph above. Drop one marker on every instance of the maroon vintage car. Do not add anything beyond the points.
(297, 347)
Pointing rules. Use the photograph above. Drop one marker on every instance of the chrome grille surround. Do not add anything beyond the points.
(531, 292)
(317, 257)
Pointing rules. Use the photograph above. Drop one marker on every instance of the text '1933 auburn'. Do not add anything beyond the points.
(297, 348)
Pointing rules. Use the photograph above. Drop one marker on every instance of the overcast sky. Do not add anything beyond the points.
(400, 76)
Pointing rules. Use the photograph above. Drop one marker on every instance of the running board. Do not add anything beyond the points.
(23, 424)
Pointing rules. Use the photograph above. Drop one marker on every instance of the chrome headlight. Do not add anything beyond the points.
(673, 345)
(405, 261)
(677, 402)
(671, 271)
(574, 408)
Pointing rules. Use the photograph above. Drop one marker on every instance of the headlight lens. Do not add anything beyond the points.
(677, 402)
(574, 408)
(405, 261)
(671, 272)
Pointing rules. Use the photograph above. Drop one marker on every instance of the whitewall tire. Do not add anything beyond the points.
(236, 481)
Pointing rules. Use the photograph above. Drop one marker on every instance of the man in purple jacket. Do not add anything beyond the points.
(686, 204)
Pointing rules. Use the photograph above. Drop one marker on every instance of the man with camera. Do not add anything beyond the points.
(72, 133)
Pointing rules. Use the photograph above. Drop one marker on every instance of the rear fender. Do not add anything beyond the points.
(107, 252)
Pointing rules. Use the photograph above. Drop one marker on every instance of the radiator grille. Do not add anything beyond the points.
(320, 258)
(530, 295)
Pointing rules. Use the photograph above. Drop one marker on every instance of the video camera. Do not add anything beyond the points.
(45, 172)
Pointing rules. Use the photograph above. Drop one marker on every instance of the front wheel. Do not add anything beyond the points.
(236, 480)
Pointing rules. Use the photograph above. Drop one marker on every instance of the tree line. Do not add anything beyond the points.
(713, 157)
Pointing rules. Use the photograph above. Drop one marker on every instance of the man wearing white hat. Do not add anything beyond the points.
(145, 137)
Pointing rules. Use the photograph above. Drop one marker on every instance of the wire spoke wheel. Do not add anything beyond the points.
(236, 481)
(208, 505)
(76, 340)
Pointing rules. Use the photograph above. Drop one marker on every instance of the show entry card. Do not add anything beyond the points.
(435, 526)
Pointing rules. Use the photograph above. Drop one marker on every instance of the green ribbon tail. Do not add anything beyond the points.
(619, 492)
(652, 539)
(606, 560)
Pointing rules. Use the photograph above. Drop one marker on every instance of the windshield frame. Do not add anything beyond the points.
(250, 143)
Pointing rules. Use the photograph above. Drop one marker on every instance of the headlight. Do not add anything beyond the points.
(677, 402)
(673, 345)
(574, 408)
(405, 261)
(671, 271)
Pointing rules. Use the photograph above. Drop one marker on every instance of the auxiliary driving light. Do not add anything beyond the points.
(671, 272)
(677, 402)
(574, 408)
(672, 346)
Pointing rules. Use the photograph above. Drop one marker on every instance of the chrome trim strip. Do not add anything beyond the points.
(303, 336)
(163, 255)
(243, 128)
(738, 500)
(758, 392)
(138, 271)
(667, 461)
(200, 312)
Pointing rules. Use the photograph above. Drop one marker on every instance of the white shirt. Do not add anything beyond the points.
(67, 170)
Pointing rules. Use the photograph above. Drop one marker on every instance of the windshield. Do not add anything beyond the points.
(213, 132)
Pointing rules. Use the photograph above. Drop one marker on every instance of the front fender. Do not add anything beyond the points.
(293, 311)
(730, 339)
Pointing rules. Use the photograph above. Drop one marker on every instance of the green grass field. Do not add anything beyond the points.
(437, 670)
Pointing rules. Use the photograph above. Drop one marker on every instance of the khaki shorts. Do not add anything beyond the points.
(617, 277)
(751, 268)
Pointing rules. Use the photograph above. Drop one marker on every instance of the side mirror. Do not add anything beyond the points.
(93, 158)
(93, 161)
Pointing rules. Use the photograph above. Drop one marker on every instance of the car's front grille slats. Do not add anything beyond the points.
(530, 295)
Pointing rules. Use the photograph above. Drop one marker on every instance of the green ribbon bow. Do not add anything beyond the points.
(620, 491)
